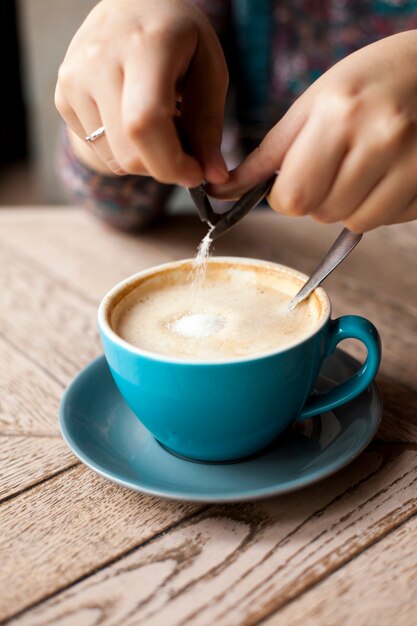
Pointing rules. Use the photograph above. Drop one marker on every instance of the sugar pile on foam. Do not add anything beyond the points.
(198, 325)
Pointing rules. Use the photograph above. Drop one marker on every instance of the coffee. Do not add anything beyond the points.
(241, 311)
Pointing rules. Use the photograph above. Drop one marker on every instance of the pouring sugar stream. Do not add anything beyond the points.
(199, 324)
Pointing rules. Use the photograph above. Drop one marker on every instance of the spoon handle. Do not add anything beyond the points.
(343, 245)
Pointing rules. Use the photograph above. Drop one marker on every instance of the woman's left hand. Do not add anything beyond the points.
(347, 148)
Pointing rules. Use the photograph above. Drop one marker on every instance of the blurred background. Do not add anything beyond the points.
(35, 37)
(36, 34)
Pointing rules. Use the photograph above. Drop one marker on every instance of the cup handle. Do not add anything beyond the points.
(347, 327)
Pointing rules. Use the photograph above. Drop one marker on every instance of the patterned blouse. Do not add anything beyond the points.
(275, 49)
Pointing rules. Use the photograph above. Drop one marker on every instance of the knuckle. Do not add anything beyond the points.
(160, 33)
(143, 120)
(343, 105)
(347, 108)
(352, 89)
(135, 40)
(324, 217)
(94, 52)
(62, 105)
(396, 127)
(134, 128)
(293, 201)
(65, 75)
(131, 164)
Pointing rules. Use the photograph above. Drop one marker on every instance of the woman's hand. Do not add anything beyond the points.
(347, 148)
(128, 66)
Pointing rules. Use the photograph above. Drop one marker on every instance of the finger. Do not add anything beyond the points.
(203, 105)
(67, 113)
(409, 214)
(364, 167)
(267, 158)
(148, 109)
(310, 166)
(91, 120)
(390, 199)
(124, 149)
(357, 177)
(83, 117)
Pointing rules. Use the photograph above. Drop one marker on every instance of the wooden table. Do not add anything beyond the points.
(76, 550)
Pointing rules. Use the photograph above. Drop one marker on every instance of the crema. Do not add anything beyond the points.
(241, 311)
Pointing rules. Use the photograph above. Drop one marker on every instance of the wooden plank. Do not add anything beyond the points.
(27, 460)
(228, 565)
(29, 396)
(52, 274)
(68, 527)
(378, 588)
(399, 422)
(51, 324)
(65, 242)
(31, 448)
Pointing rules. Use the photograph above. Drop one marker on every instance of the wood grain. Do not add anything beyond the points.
(47, 321)
(399, 421)
(77, 550)
(67, 527)
(66, 242)
(29, 396)
(31, 448)
(234, 565)
(379, 588)
(27, 460)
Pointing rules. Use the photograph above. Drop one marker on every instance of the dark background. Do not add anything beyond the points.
(13, 127)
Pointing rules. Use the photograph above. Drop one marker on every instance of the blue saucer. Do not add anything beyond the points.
(105, 435)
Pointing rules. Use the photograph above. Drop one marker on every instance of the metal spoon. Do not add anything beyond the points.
(343, 245)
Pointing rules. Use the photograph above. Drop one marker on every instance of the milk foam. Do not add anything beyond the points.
(241, 311)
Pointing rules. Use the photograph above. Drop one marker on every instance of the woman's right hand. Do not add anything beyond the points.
(126, 69)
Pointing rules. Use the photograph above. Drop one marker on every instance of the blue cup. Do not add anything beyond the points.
(226, 410)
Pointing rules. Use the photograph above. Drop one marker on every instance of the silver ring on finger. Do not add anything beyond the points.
(96, 134)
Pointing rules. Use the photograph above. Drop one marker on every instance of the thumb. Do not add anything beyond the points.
(266, 158)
